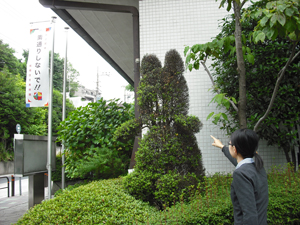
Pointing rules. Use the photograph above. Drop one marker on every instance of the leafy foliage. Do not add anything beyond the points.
(264, 63)
(9, 61)
(13, 111)
(270, 57)
(87, 133)
(276, 19)
(214, 205)
(107, 201)
(168, 160)
(99, 202)
(57, 102)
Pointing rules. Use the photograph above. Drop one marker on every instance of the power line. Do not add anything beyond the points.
(18, 14)
(11, 40)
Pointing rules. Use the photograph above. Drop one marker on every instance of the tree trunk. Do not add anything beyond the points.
(287, 156)
(293, 153)
(240, 67)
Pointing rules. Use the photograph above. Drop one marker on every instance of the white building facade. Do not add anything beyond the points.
(174, 24)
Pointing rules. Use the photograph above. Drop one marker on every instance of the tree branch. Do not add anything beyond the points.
(214, 85)
(280, 76)
(243, 3)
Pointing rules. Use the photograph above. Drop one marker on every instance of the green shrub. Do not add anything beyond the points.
(99, 202)
(105, 164)
(213, 206)
(87, 134)
(168, 160)
(56, 175)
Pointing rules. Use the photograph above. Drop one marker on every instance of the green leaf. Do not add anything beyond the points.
(289, 12)
(210, 115)
(226, 103)
(293, 36)
(195, 48)
(229, 5)
(218, 98)
(248, 50)
(188, 58)
(281, 19)
(186, 49)
(270, 33)
(196, 65)
(222, 3)
(250, 58)
(216, 118)
(234, 100)
(224, 116)
(273, 20)
(290, 26)
(190, 67)
(281, 8)
(263, 21)
(260, 37)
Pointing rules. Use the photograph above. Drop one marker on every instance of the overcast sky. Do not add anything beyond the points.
(15, 19)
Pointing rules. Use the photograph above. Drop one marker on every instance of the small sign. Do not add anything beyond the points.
(18, 128)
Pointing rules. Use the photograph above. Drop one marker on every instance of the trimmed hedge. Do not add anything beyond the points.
(105, 202)
(214, 205)
(99, 202)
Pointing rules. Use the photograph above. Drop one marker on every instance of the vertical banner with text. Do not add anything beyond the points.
(37, 77)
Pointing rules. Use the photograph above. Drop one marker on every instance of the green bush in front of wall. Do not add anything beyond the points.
(168, 161)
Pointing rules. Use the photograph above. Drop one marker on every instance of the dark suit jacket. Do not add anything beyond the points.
(249, 193)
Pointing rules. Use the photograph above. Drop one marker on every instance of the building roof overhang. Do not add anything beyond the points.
(107, 26)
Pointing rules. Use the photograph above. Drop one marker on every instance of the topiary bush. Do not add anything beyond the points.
(87, 134)
(168, 161)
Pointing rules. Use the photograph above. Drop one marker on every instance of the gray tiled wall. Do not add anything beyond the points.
(169, 24)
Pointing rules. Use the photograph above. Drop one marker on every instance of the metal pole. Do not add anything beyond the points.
(50, 112)
(136, 55)
(64, 113)
(12, 185)
(20, 186)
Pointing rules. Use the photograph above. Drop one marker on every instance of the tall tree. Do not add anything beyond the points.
(13, 111)
(9, 61)
(279, 22)
(278, 18)
(280, 127)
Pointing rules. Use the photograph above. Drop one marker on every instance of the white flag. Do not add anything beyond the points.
(37, 78)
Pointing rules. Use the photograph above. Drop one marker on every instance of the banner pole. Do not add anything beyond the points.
(64, 112)
(50, 112)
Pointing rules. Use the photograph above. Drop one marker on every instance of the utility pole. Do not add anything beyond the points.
(98, 90)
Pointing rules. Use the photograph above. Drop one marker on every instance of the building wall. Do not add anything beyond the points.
(174, 24)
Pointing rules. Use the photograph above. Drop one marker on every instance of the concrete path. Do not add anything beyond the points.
(13, 208)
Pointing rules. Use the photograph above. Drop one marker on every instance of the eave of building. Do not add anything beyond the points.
(106, 25)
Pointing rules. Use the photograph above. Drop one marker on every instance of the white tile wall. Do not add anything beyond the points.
(173, 24)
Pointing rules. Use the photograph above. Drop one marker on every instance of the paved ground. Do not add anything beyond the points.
(13, 208)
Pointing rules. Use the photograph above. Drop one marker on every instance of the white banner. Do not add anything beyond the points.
(37, 78)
